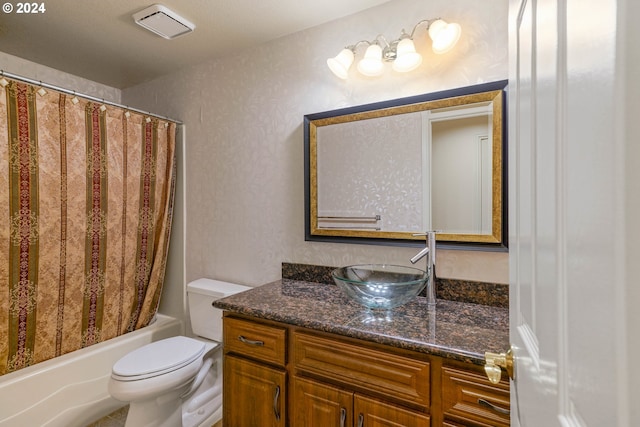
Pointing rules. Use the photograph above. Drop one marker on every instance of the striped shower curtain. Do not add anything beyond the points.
(86, 195)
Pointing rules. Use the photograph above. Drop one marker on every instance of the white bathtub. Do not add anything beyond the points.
(71, 390)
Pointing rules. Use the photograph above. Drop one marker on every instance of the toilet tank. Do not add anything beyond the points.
(206, 320)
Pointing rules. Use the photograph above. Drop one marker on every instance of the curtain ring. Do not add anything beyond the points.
(42, 91)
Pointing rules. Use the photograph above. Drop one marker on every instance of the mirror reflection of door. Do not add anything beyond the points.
(460, 143)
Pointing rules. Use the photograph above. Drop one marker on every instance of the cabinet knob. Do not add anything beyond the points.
(495, 361)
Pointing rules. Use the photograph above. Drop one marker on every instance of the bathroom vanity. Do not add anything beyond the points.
(300, 353)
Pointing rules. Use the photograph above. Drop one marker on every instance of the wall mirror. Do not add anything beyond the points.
(379, 173)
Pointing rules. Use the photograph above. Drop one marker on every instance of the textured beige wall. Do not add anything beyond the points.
(244, 147)
(22, 67)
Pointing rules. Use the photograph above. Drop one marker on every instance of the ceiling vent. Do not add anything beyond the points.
(163, 22)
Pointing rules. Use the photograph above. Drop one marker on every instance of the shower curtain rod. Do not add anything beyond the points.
(82, 95)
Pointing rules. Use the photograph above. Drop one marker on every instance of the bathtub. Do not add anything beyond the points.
(71, 390)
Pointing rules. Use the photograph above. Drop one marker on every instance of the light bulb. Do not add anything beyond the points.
(340, 64)
(407, 58)
(371, 64)
(444, 36)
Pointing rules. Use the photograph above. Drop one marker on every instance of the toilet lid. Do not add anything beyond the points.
(158, 358)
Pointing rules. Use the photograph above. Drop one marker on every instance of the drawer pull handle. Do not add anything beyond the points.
(360, 420)
(250, 342)
(276, 395)
(493, 407)
(343, 416)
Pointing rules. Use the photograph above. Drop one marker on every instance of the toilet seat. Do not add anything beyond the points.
(158, 358)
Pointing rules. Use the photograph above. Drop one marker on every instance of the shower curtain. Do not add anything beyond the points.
(86, 195)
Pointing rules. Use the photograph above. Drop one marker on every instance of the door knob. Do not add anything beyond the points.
(495, 361)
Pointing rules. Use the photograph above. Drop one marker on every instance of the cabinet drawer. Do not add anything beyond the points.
(370, 371)
(255, 340)
(470, 399)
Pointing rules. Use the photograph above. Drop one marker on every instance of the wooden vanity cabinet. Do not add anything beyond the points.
(254, 374)
(341, 383)
(282, 375)
(316, 404)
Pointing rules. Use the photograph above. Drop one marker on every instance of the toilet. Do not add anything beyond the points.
(178, 381)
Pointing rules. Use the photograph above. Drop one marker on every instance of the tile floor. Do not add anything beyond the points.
(114, 419)
(118, 417)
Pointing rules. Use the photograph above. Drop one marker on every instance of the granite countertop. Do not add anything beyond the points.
(457, 330)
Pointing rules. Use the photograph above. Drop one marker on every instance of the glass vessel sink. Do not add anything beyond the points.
(380, 286)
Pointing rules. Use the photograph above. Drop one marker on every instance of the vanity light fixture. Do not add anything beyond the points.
(401, 52)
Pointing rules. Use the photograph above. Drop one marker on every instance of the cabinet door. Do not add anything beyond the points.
(320, 405)
(372, 413)
(254, 394)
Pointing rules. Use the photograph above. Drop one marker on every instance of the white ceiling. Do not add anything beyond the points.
(98, 39)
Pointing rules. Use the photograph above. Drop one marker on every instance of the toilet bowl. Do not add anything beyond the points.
(178, 381)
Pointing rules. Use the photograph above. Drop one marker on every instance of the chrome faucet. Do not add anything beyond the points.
(430, 252)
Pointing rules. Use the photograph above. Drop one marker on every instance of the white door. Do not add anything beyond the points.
(573, 201)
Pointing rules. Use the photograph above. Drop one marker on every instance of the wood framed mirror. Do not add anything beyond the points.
(379, 173)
